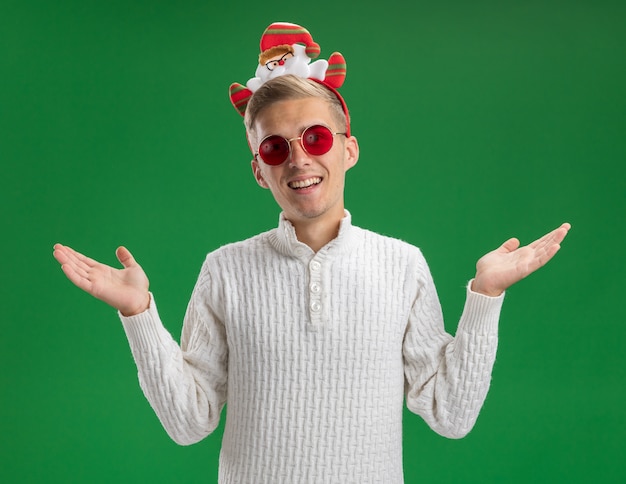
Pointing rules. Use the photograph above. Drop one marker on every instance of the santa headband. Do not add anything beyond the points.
(288, 49)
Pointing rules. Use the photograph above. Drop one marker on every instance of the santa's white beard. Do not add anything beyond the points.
(294, 65)
(298, 65)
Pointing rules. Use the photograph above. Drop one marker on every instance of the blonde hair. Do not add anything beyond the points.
(288, 87)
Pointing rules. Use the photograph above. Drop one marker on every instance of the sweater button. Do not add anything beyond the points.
(315, 306)
(315, 266)
(315, 288)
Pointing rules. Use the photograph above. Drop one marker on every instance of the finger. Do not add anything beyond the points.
(558, 234)
(544, 256)
(554, 237)
(59, 253)
(562, 232)
(77, 277)
(65, 257)
(81, 258)
(79, 264)
(65, 254)
(547, 247)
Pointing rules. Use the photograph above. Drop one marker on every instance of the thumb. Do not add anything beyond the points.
(510, 245)
(125, 257)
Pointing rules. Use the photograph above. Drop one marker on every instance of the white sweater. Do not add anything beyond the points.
(315, 353)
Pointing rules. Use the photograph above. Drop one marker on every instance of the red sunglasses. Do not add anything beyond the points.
(315, 140)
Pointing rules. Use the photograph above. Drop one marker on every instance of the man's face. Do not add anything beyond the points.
(308, 188)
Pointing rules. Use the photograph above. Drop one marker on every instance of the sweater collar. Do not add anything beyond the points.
(284, 238)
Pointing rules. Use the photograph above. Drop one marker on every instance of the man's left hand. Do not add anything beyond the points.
(509, 263)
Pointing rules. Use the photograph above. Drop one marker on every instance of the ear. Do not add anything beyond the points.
(351, 152)
(258, 175)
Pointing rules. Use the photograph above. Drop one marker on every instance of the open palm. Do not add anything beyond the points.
(509, 263)
(125, 289)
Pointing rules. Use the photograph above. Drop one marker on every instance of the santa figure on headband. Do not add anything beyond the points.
(286, 59)
(288, 49)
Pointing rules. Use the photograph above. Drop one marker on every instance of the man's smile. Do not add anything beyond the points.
(305, 183)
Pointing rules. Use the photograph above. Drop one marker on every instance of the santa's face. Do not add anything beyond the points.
(286, 63)
(308, 188)
(277, 61)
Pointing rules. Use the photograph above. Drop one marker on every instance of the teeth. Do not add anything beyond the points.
(305, 183)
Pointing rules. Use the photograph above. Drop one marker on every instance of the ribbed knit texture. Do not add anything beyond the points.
(315, 354)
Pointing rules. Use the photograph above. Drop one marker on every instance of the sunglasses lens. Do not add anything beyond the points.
(317, 140)
(274, 150)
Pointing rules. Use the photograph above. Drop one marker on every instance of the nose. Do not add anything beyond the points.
(298, 156)
(281, 62)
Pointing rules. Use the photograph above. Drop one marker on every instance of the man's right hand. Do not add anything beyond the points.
(125, 289)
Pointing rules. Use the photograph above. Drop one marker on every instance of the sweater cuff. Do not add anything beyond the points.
(481, 313)
(144, 328)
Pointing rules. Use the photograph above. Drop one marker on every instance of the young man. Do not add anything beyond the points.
(315, 332)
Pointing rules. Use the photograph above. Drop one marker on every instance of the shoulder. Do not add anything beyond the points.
(387, 243)
(235, 258)
(393, 258)
(396, 255)
(254, 245)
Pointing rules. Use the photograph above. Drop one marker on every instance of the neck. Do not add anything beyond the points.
(316, 234)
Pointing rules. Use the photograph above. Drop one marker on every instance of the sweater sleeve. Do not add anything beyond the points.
(186, 384)
(447, 378)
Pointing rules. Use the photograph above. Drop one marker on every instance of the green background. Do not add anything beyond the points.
(477, 121)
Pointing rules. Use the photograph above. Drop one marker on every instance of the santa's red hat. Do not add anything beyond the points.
(283, 33)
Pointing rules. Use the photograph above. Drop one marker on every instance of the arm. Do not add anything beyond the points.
(448, 379)
(186, 384)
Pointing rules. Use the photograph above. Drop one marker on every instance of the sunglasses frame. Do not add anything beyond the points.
(258, 155)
